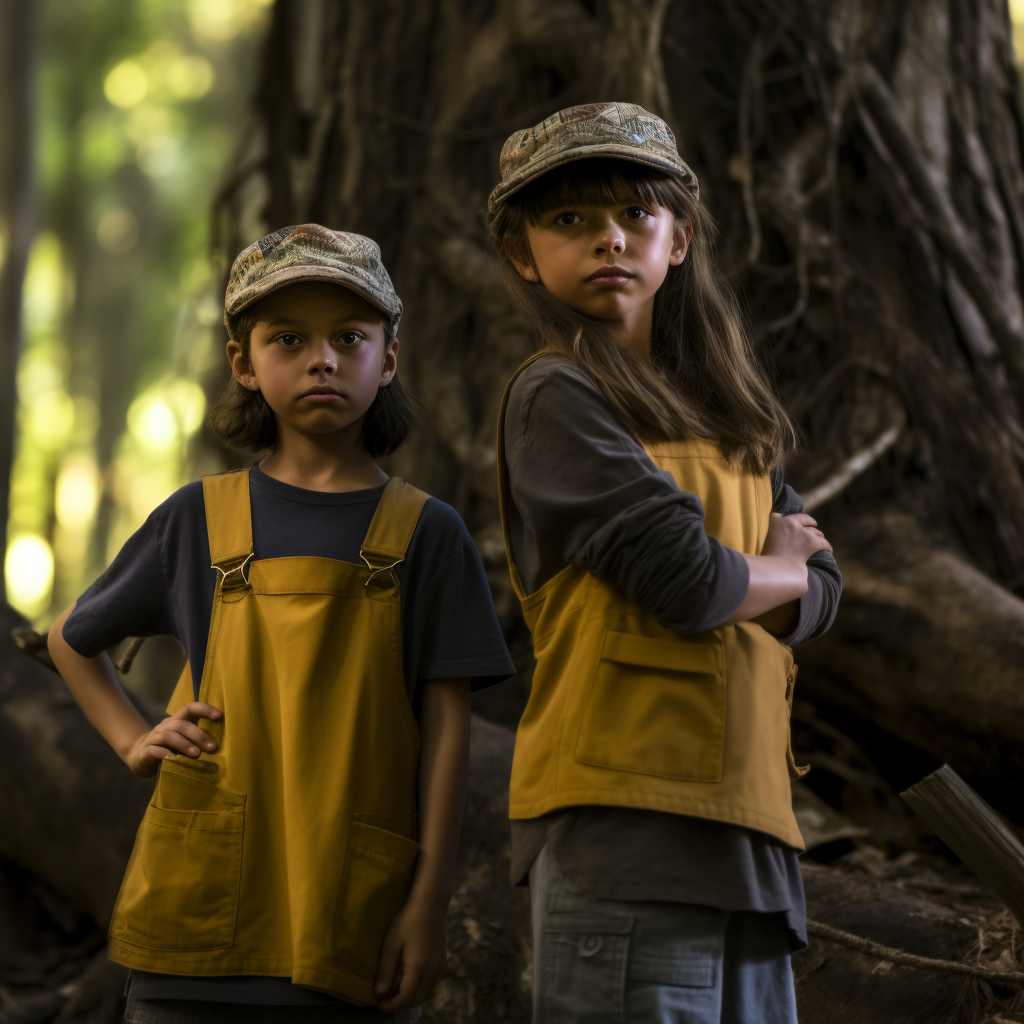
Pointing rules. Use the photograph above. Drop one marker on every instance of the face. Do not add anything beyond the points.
(605, 261)
(318, 353)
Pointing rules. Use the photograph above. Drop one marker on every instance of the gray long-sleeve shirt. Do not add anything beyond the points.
(585, 492)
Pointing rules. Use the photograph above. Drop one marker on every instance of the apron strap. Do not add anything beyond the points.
(504, 484)
(229, 525)
(392, 527)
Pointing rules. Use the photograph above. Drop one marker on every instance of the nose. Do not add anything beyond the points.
(609, 239)
(324, 359)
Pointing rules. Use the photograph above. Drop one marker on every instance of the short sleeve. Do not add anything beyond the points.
(128, 599)
(449, 624)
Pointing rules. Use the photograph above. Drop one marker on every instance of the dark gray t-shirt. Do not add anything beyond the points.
(161, 583)
(585, 492)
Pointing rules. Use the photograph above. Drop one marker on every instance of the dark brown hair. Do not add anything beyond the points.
(702, 379)
(244, 420)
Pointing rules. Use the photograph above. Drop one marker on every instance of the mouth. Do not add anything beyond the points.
(613, 275)
(321, 394)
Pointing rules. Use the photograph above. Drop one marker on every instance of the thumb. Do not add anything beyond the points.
(387, 968)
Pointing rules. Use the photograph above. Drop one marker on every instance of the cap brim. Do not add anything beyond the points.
(296, 275)
(603, 149)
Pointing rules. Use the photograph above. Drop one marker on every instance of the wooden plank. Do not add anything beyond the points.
(974, 832)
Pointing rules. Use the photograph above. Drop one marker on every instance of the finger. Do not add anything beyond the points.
(155, 752)
(408, 988)
(175, 742)
(803, 519)
(200, 737)
(387, 967)
(198, 709)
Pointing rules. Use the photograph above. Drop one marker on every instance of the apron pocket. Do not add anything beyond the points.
(180, 891)
(375, 885)
(656, 707)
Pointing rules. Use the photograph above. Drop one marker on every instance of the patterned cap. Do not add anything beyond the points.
(310, 252)
(620, 130)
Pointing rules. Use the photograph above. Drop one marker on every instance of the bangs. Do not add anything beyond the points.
(599, 182)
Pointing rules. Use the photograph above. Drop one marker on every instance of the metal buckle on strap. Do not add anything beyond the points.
(228, 579)
(376, 570)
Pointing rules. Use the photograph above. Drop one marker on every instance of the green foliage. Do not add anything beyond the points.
(140, 104)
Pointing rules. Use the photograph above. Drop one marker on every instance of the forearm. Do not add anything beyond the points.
(95, 686)
(444, 762)
(774, 583)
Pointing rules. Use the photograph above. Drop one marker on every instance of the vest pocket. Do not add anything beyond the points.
(180, 891)
(656, 707)
(374, 887)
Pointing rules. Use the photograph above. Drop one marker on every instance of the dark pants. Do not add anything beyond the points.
(191, 1011)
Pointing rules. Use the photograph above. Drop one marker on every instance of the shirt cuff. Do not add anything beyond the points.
(809, 611)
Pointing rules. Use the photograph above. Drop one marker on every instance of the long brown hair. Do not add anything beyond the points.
(702, 379)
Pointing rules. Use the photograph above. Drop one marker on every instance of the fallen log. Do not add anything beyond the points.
(926, 647)
(974, 832)
(69, 807)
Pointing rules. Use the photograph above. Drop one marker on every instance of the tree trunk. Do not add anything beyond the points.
(864, 162)
(19, 38)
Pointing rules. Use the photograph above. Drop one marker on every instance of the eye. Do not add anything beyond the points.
(636, 212)
(289, 340)
(349, 338)
(568, 218)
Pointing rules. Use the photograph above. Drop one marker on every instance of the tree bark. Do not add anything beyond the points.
(864, 162)
(19, 35)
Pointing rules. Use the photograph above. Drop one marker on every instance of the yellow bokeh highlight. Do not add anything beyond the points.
(28, 571)
(221, 20)
(126, 84)
(188, 401)
(152, 423)
(190, 77)
(49, 418)
(43, 290)
(77, 494)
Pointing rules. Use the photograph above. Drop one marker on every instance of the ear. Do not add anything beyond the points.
(681, 238)
(527, 271)
(390, 367)
(241, 367)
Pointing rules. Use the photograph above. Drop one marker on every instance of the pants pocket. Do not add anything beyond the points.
(374, 887)
(180, 891)
(581, 970)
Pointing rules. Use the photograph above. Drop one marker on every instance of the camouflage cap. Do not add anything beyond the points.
(620, 130)
(310, 252)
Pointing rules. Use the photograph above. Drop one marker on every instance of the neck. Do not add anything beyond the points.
(633, 331)
(323, 462)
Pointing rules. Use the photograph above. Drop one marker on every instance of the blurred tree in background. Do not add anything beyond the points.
(139, 103)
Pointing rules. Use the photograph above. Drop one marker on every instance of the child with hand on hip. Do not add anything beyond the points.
(665, 571)
(297, 858)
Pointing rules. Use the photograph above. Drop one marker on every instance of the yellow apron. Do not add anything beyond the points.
(624, 711)
(289, 850)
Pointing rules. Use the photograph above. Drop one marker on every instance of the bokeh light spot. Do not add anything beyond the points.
(126, 84)
(78, 492)
(151, 421)
(50, 419)
(190, 77)
(28, 571)
(117, 231)
(188, 401)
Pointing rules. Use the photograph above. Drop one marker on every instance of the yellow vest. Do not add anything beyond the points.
(289, 850)
(624, 711)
